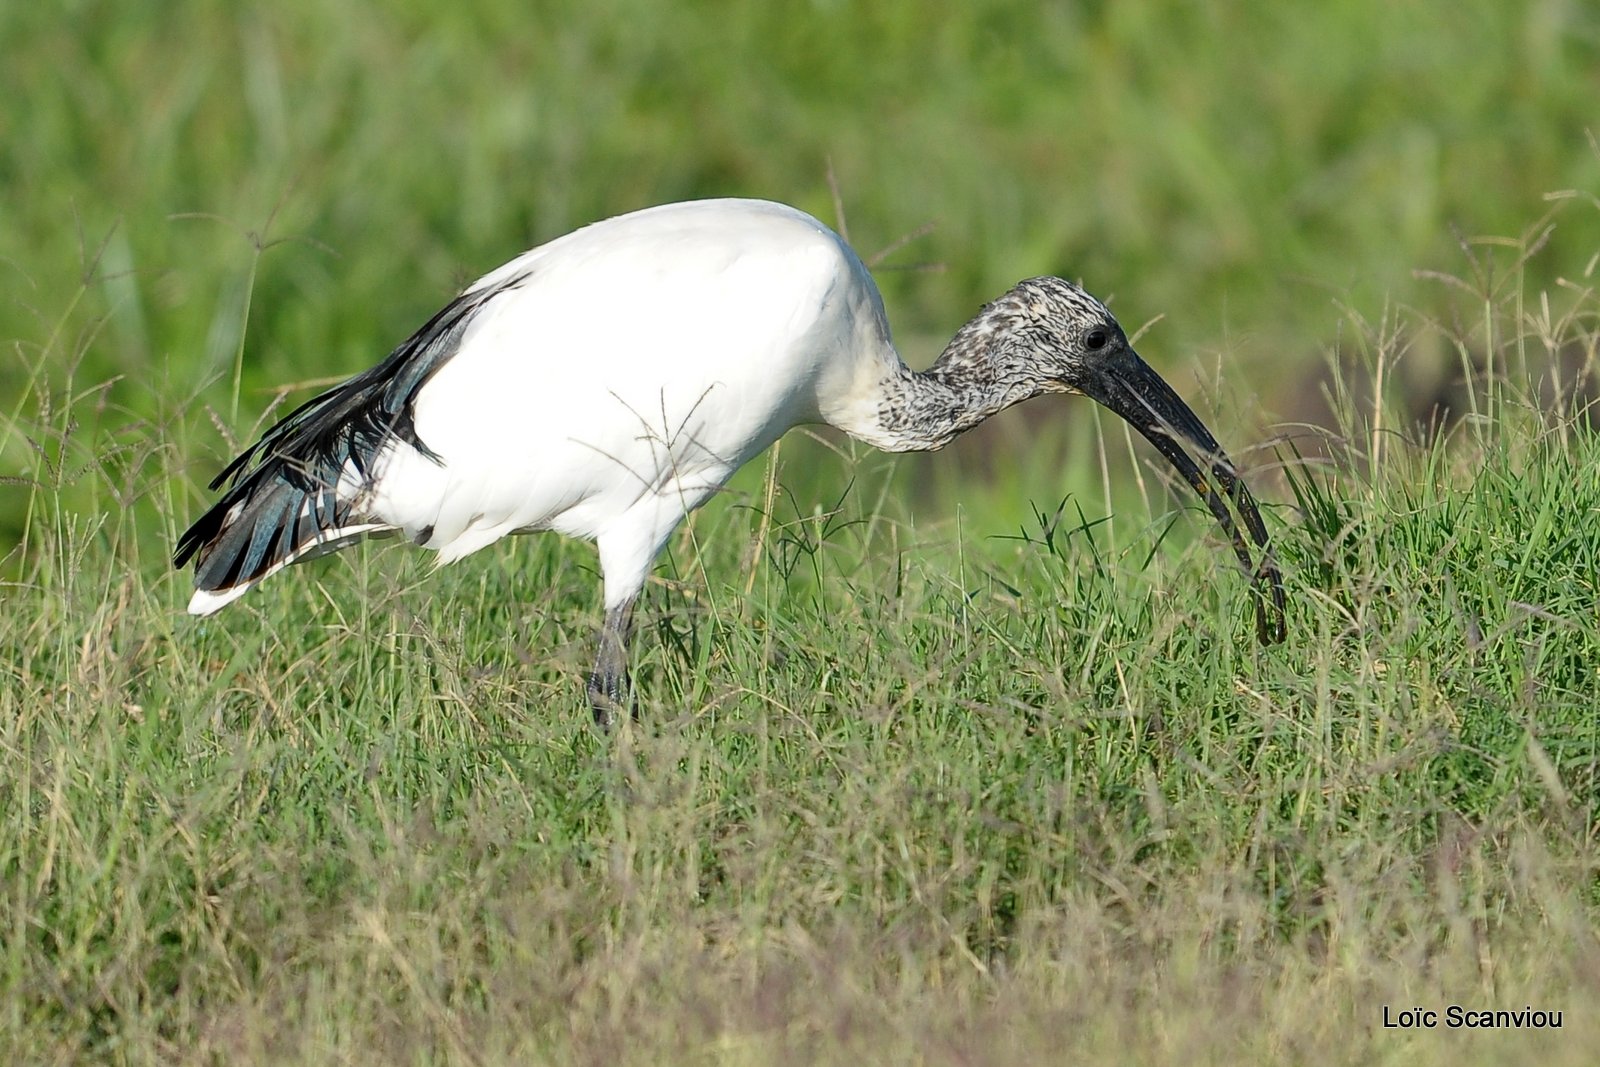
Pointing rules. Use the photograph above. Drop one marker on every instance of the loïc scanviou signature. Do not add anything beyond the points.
(1457, 1017)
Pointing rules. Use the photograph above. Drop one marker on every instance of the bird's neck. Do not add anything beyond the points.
(923, 410)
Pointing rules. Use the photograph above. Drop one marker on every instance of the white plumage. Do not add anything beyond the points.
(604, 384)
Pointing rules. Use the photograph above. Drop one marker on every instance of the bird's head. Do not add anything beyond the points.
(1049, 333)
(1053, 336)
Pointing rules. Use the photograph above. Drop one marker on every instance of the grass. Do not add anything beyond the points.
(899, 790)
(930, 768)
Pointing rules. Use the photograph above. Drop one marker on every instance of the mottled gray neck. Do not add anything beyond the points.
(971, 380)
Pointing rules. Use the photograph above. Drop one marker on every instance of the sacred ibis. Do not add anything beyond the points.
(606, 383)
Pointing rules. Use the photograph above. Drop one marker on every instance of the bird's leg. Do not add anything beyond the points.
(608, 682)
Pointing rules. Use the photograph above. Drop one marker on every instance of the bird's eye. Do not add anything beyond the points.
(1095, 339)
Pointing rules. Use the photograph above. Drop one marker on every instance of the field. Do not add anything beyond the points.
(950, 759)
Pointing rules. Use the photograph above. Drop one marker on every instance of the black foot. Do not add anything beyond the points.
(609, 699)
(608, 682)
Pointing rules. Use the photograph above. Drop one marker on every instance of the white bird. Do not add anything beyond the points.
(608, 382)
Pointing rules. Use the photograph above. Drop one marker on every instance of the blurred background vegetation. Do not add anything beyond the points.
(304, 182)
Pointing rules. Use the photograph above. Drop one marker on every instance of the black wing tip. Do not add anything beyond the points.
(201, 533)
(307, 451)
(250, 531)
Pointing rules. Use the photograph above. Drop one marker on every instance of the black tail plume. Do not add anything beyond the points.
(282, 501)
(256, 526)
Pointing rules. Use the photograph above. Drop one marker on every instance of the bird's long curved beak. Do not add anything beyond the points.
(1128, 386)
